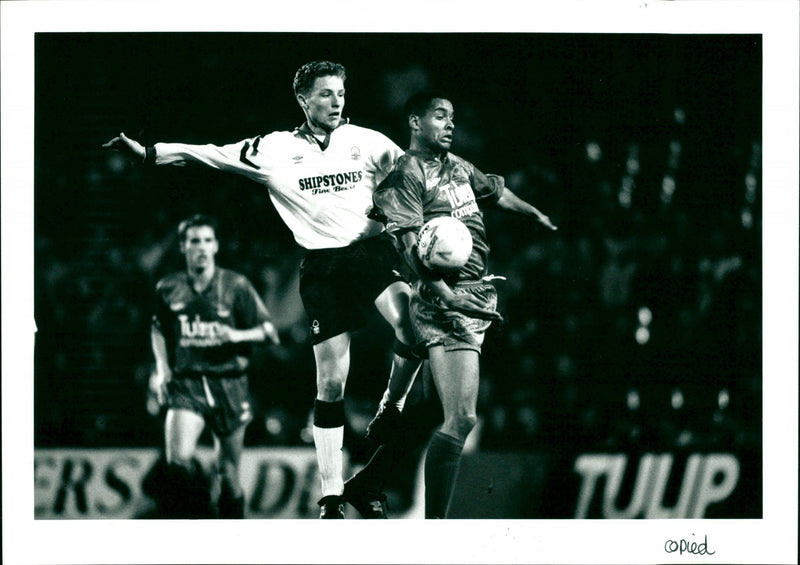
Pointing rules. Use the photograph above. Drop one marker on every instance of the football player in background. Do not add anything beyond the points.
(450, 311)
(205, 321)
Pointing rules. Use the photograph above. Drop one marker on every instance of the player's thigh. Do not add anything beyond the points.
(393, 305)
(456, 376)
(182, 429)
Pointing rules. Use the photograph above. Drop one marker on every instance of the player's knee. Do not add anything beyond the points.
(332, 367)
(178, 459)
(330, 387)
(463, 423)
(394, 306)
(330, 380)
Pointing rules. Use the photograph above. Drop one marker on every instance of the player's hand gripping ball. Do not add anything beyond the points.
(444, 244)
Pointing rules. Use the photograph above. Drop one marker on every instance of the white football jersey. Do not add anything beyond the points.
(323, 196)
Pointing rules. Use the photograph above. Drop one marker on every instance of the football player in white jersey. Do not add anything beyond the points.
(321, 177)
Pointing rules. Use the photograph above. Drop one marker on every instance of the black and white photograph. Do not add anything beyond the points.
(536, 280)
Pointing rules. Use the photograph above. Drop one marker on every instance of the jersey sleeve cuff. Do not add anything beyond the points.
(149, 155)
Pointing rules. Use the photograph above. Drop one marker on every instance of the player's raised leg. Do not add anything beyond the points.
(393, 304)
(364, 490)
(455, 374)
(333, 363)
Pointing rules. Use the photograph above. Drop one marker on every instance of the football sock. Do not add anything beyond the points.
(328, 439)
(187, 492)
(405, 366)
(441, 468)
(373, 473)
(230, 505)
(231, 508)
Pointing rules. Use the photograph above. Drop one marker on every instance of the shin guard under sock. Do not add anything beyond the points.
(328, 440)
(441, 469)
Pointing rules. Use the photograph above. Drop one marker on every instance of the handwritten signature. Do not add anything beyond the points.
(685, 546)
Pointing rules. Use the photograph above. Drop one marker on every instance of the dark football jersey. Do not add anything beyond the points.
(189, 320)
(422, 187)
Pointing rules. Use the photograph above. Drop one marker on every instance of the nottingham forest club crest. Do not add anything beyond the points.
(355, 153)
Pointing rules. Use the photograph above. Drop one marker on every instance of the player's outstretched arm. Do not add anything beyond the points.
(513, 203)
(233, 157)
(127, 146)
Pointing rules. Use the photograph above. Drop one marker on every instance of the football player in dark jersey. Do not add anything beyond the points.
(450, 312)
(206, 319)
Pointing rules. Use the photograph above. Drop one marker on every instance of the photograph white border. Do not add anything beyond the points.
(772, 539)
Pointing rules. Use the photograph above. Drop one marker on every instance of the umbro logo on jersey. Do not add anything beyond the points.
(355, 153)
(297, 159)
(315, 327)
(175, 306)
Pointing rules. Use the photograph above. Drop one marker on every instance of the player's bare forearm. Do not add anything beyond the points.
(513, 203)
(257, 334)
(159, 345)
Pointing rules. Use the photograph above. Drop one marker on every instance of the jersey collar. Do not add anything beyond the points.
(428, 155)
(213, 281)
(306, 132)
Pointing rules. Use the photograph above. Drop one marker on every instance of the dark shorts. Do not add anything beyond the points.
(224, 402)
(434, 325)
(339, 286)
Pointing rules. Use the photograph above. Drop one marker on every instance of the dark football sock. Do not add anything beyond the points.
(441, 468)
(187, 492)
(230, 507)
(415, 427)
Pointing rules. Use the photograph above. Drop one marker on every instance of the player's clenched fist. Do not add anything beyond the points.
(271, 332)
(127, 146)
(158, 385)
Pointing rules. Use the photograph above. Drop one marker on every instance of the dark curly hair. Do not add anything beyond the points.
(420, 102)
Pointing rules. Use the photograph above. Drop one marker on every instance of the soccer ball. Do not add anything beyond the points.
(444, 244)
